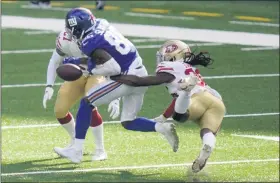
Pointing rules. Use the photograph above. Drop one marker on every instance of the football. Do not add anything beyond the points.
(69, 72)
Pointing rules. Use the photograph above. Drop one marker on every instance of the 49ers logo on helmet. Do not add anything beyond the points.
(171, 48)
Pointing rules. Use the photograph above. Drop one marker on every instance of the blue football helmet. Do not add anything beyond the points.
(78, 22)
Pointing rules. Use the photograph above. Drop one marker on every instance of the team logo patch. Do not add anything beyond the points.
(171, 48)
(72, 21)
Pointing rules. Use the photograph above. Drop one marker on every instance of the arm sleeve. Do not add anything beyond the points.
(54, 62)
(165, 67)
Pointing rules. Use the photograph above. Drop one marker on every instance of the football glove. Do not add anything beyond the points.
(114, 108)
(47, 96)
(188, 83)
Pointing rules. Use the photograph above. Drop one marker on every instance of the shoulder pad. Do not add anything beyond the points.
(103, 21)
(90, 43)
(62, 41)
(164, 66)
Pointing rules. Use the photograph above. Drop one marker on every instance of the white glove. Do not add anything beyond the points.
(160, 119)
(48, 95)
(188, 83)
(114, 107)
(84, 70)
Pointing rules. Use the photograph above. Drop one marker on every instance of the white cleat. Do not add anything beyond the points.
(99, 155)
(59, 149)
(70, 153)
(200, 162)
(188, 83)
(169, 132)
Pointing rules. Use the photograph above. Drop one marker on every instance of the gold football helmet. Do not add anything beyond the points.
(173, 50)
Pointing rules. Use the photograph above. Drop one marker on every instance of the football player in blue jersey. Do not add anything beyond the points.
(113, 55)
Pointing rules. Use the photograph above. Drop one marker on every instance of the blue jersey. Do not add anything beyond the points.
(104, 36)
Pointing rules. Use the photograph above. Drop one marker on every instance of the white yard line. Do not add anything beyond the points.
(153, 31)
(27, 51)
(149, 15)
(260, 48)
(51, 8)
(252, 115)
(138, 167)
(138, 47)
(242, 76)
(254, 23)
(258, 137)
(190, 44)
(27, 85)
(147, 40)
(206, 77)
(39, 32)
(115, 122)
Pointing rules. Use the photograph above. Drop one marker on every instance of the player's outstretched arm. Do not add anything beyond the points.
(106, 65)
(54, 62)
(137, 81)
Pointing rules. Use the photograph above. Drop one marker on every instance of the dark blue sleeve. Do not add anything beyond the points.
(72, 60)
(90, 64)
(90, 44)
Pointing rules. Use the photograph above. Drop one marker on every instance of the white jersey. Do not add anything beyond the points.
(65, 47)
(180, 70)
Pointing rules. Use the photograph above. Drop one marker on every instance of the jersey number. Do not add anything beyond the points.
(65, 37)
(121, 44)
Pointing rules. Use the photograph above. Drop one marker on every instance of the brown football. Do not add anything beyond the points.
(69, 72)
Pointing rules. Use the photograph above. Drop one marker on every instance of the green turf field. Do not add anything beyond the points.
(251, 98)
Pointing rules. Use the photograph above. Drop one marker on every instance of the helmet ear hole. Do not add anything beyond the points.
(172, 59)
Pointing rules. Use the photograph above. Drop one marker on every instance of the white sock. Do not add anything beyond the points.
(70, 128)
(210, 140)
(79, 144)
(97, 132)
(182, 102)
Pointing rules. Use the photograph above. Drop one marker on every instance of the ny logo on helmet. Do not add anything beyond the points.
(72, 21)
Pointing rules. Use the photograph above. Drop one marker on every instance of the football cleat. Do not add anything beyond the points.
(169, 132)
(160, 119)
(200, 162)
(99, 155)
(70, 153)
(59, 149)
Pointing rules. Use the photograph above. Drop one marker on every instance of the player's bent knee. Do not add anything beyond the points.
(87, 101)
(180, 117)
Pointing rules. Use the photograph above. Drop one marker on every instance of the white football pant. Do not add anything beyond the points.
(110, 90)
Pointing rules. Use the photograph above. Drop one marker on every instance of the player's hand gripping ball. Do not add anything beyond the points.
(69, 72)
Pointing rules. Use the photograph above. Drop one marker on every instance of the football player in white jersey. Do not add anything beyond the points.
(70, 92)
(193, 99)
